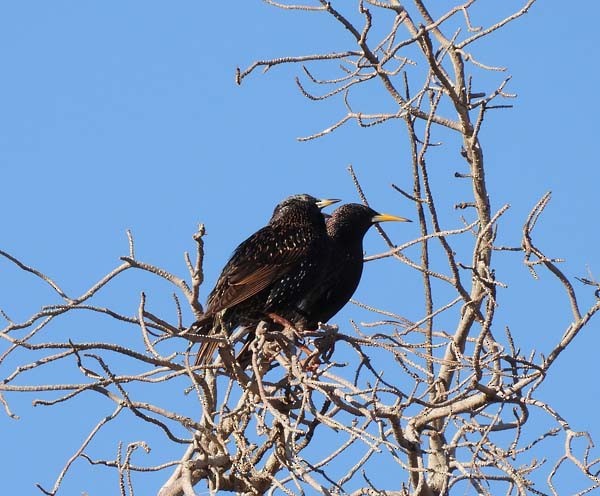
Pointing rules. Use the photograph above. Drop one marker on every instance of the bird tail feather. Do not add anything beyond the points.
(205, 326)
(206, 351)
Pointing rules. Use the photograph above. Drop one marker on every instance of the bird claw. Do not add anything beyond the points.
(278, 319)
(312, 362)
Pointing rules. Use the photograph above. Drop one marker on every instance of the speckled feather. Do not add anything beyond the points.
(270, 271)
(346, 229)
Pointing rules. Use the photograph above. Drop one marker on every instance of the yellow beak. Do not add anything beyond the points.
(326, 202)
(388, 217)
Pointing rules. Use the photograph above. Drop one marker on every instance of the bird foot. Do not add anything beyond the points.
(278, 319)
(312, 362)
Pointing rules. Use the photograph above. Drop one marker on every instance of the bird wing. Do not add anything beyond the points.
(257, 263)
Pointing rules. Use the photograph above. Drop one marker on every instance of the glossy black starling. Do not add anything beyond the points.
(346, 229)
(270, 271)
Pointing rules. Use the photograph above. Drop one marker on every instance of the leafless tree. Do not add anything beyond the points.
(447, 404)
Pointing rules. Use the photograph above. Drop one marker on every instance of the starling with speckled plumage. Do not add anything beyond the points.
(270, 272)
(346, 229)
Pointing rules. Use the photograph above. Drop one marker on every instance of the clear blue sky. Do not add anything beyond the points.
(125, 115)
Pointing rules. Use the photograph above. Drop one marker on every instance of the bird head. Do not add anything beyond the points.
(353, 220)
(301, 205)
